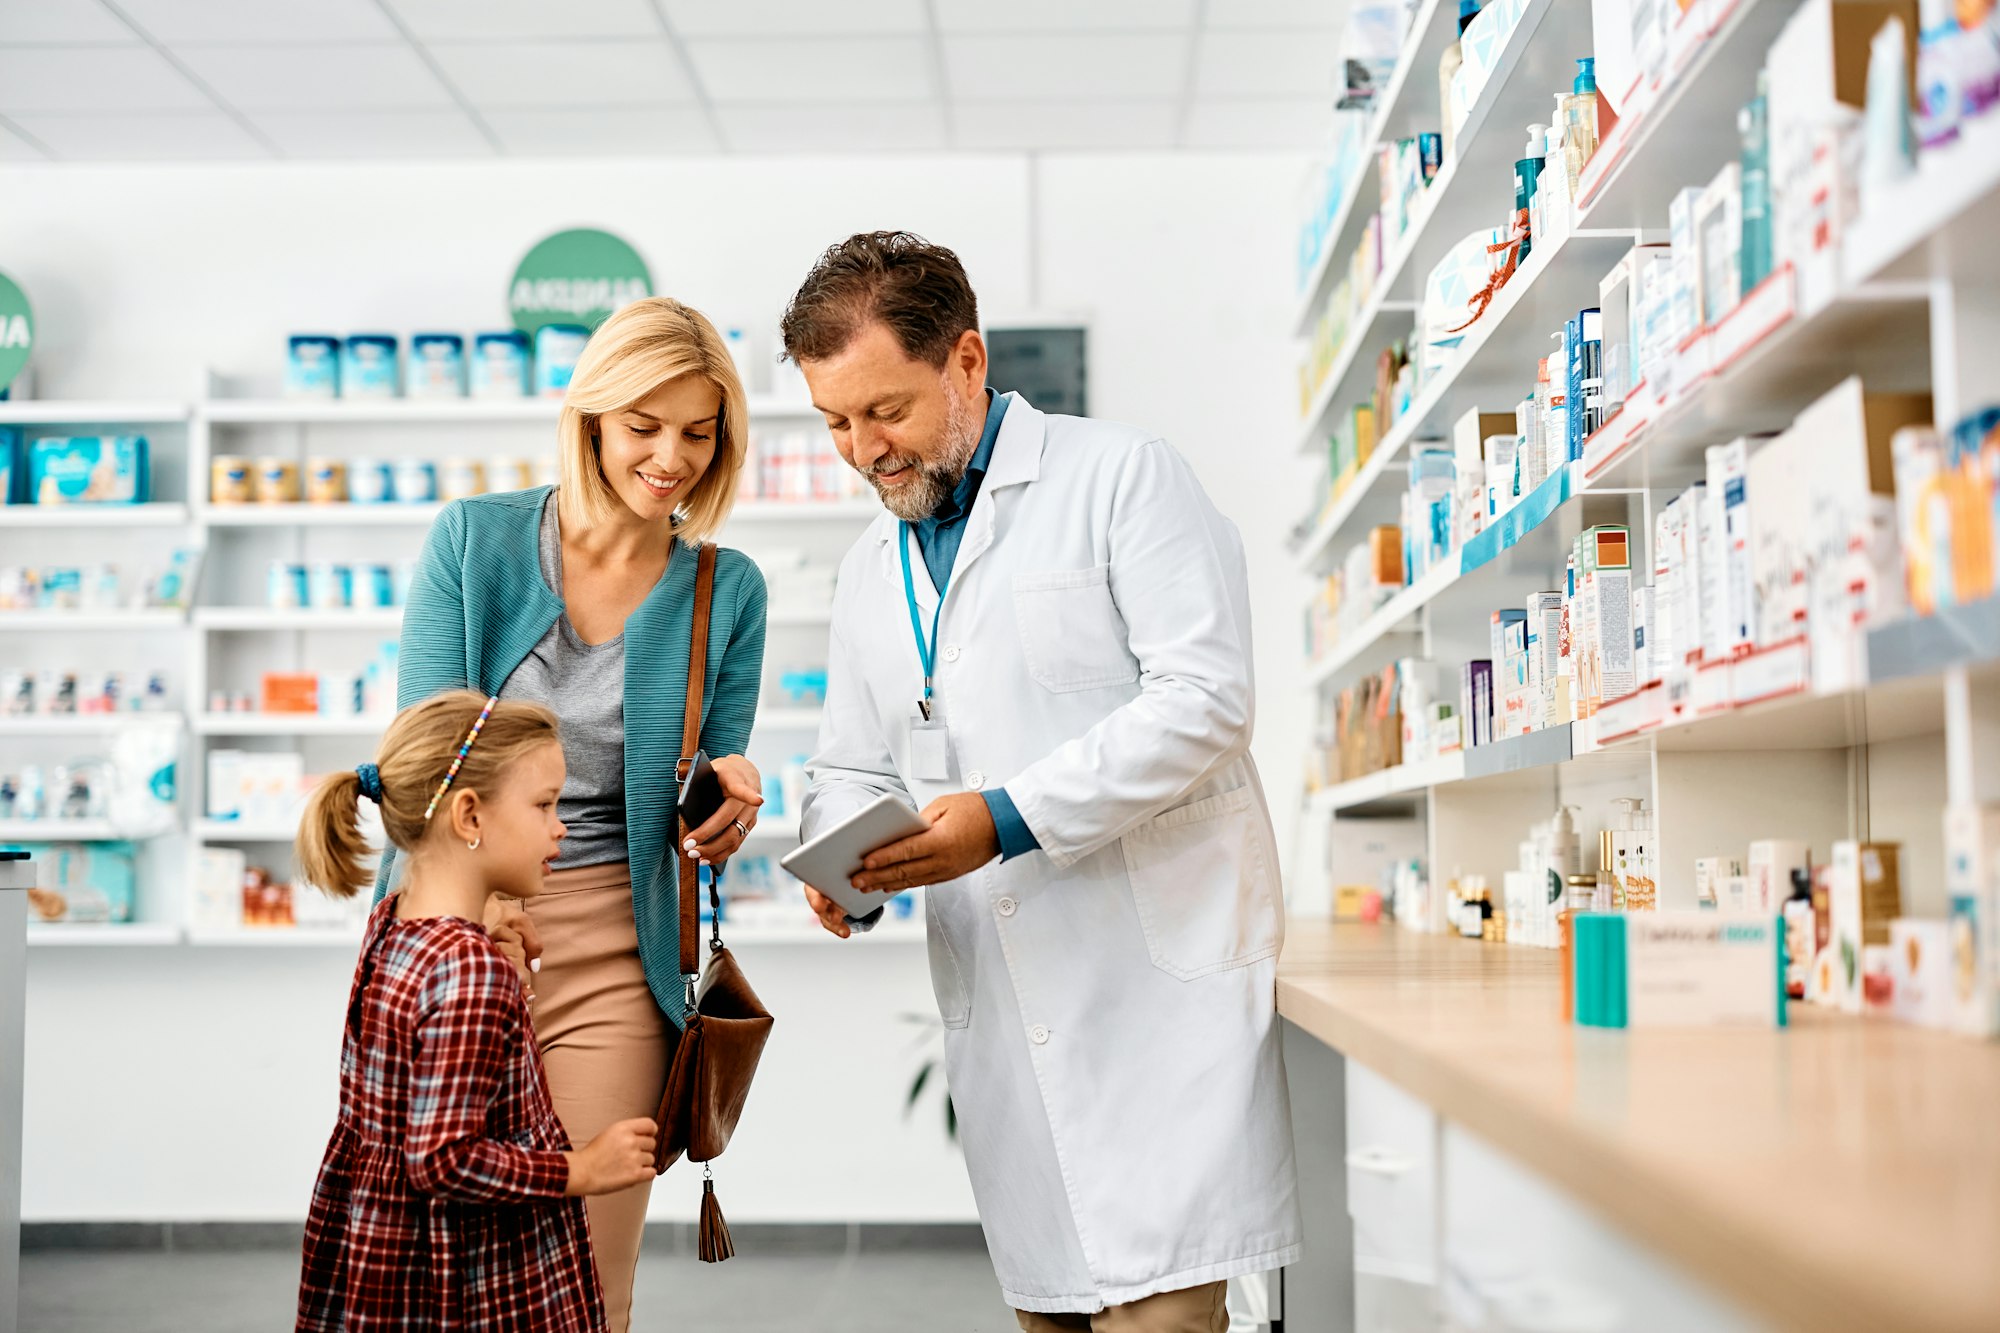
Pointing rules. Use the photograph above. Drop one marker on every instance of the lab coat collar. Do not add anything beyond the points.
(1017, 460)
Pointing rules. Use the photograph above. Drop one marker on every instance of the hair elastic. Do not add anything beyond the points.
(371, 781)
(458, 760)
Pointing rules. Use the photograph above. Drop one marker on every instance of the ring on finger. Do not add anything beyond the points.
(742, 830)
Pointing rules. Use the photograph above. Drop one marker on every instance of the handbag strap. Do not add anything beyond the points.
(690, 872)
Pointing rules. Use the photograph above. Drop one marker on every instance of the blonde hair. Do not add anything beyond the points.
(416, 752)
(641, 347)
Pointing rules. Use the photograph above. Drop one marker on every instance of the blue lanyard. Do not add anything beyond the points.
(926, 649)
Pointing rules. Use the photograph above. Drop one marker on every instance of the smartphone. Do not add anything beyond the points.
(701, 795)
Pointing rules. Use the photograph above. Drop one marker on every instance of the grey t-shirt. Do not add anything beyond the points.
(584, 684)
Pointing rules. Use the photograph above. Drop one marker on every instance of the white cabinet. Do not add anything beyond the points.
(1393, 1197)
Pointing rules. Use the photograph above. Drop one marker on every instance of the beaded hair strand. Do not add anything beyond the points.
(458, 760)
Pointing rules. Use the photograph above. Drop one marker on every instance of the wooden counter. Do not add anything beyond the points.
(1841, 1174)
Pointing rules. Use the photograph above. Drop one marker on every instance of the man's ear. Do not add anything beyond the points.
(968, 362)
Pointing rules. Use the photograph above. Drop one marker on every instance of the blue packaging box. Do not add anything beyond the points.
(312, 366)
(13, 476)
(557, 348)
(90, 883)
(88, 469)
(368, 366)
(437, 365)
(500, 365)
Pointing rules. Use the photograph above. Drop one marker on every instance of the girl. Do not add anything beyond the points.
(581, 598)
(448, 1197)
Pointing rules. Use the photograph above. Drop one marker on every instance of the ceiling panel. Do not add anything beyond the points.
(172, 21)
(1237, 14)
(317, 78)
(625, 131)
(1092, 67)
(61, 21)
(1026, 125)
(93, 78)
(1264, 124)
(364, 135)
(1066, 15)
(795, 18)
(635, 71)
(149, 137)
(833, 69)
(1245, 64)
(514, 20)
(837, 128)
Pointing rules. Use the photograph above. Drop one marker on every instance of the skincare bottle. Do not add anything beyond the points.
(1580, 118)
(1753, 127)
(1448, 63)
(1888, 153)
(1526, 171)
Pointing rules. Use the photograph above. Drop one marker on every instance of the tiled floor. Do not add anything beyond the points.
(920, 1291)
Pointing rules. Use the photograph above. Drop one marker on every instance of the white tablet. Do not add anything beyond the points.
(833, 858)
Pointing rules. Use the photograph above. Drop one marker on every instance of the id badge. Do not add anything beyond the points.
(930, 751)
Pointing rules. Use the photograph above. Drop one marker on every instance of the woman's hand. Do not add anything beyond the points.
(516, 937)
(743, 791)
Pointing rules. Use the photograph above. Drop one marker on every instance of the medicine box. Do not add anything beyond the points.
(312, 366)
(88, 469)
(1665, 969)
(1866, 895)
(500, 365)
(368, 366)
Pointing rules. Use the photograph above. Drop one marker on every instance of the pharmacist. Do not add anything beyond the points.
(1045, 646)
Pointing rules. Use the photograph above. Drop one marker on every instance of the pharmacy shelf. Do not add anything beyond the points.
(799, 619)
(274, 937)
(64, 830)
(448, 411)
(1769, 361)
(1684, 130)
(286, 724)
(85, 412)
(85, 724)
(149, 618)
(67, 935)
(789, 719)
(1954, 637)
(1473, 189)
(809, 511)
(1398, 615)
(234, 831)
(1520, 754)
(252, 619)
(1944, 216)
(1397, 113)
(165, 514)
(319, 515)
(1894, 710)
(1381, 791)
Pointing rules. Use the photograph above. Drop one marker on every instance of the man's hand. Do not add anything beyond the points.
(830, 913)
(961, 838)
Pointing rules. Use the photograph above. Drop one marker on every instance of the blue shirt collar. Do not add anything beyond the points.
(959, 503)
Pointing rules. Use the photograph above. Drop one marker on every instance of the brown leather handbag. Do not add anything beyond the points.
(726, 1025)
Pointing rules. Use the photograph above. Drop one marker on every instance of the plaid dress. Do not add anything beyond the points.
(440, 1201)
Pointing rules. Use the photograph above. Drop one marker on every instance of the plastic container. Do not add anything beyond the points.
(557, 349)
(370, 481)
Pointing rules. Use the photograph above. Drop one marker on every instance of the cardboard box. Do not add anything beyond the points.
(1677, 969)
(1772, 861)
(1604, 575)
(1972, 894)
(1544, 621)
(1866, 893)
(1920, 972)
(1729, 616)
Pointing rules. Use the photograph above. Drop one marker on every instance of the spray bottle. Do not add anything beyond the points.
(1527, 172)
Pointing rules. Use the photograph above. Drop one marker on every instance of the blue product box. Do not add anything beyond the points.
(500, 365)
(87, 469)
(437, 365)
(312, 366)
(13, 477)
(84, 882)
(368, 366)
(557, 348)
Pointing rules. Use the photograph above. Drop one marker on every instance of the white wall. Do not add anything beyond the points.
(193, 1083)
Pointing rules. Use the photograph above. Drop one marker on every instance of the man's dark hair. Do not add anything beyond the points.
(918, 289)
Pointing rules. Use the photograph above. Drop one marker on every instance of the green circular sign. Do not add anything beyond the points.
(17, 330)
(576, 277)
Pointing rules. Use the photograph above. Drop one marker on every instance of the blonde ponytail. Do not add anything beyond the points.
(416, 753)
(331, 851)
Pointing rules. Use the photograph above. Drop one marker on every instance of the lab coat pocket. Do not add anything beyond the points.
(954, 997)
(1202, 888)
(1071, 632)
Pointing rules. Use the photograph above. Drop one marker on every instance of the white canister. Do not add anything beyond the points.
(370, 481)
(415, 481)
(507, 474)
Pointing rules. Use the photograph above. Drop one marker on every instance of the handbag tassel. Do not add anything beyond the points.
(713, 1244)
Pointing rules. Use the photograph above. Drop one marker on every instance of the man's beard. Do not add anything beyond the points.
(936, 479)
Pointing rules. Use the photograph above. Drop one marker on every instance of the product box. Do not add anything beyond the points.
(1972, 892)
(1677, 969)
(1686, 295)
(88, 469)
(1729, 617)
(1866, 895)
(368, 366)
(1772, 861)
(1718, 222)
(289, 692)
(500, 365)
(437, 365)
(557, 348)
(85, 883)
(1475, 702)
(218, 888)
(13, 472)
(312, 366)
(1920, 972)
(1605, 570)
(1544, 619)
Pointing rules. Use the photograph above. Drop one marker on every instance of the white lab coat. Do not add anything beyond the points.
(1109, 1001)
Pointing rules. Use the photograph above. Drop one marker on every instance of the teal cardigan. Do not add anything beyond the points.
(478, 605)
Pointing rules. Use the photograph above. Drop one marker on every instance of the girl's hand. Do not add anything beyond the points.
(620, 1157)
(516, 937)
(743, 791)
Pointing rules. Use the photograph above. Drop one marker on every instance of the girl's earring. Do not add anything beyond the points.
(474, 844)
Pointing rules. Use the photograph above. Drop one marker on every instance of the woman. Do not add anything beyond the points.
(581, 597)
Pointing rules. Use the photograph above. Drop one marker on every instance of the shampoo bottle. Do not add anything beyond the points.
(1527, 172)
(1580, 119)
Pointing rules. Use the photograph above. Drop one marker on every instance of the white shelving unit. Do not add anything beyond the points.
(149, 934)
(90, 412)
(283, 724)
(264, 619)
(146, 618)
(1914, 309)
(161, 515)
(85, 724)
(65, 830)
